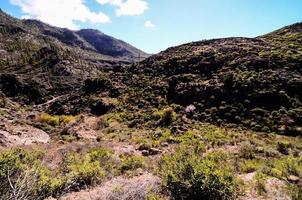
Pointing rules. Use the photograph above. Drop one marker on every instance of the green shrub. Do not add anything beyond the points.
(55, 120)
(188, 175)
(260, 179)
(247, 151)
(287, 166)
(295, 191)
(248, 166)
(165, 117)
(82, 170)
(132, 163)
(24, 170)
(284, 167)
(2, 102)
(48, 119)
(19, 174)
(283, 148)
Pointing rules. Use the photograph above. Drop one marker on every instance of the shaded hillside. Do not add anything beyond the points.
(39, 61)
(251, 81)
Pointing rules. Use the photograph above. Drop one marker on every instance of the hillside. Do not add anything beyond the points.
(82, 118)
(253, 81)
(39, 61)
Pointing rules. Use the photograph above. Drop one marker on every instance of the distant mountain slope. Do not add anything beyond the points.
(89, 39)
(109, 46)
(39, 60)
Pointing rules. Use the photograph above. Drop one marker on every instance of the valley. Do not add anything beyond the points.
(86, 116)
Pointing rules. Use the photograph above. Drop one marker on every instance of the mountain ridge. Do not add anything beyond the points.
(67, 36)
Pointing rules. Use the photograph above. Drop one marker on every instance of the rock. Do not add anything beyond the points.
(154, 151)
(151, 152)
(293, 179)
(31, 116)
(145, 153)
(20, 135)
(143, 147)
(164, 144)
(157, 134)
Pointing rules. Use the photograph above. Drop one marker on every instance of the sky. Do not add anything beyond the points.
(154, 25)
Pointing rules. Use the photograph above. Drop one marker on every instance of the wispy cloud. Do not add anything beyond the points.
(62, 13)
(150, 24)
(127, 7)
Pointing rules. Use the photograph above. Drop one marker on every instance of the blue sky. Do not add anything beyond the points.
(154, 25)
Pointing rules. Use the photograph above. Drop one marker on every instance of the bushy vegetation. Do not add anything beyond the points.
(165, 117)
(22, 174)
(132, 163)
(188, 174)
(55, 120)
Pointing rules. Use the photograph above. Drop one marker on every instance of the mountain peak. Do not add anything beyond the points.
(91, 31)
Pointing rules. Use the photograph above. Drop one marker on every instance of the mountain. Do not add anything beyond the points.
(80, 114)
(255, 82)
(87, 39)
(39, 60)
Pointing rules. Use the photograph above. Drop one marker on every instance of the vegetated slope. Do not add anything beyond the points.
(255, 82)
(39, 61)
(87, 120)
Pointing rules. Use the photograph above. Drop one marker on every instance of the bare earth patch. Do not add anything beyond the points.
(19, 135)
(119, 188)
(275, 189)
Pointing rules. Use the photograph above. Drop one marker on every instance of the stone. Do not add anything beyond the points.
(293, 179)
(164, 144)
(154, 151)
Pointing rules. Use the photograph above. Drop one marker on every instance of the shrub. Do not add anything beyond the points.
(55, 120)
(48, 119)
(19, 173)
(83, 170)
(283, 147)
(104, 157)
(132, 163)
(66, 119)
(88, 169)
(23, 170)
(188, 175)
(165, 117)
(247, 151)
(295, 191)
(260, 179)
(3, 101)
(284, 167)
(288, 166)
(248, 166)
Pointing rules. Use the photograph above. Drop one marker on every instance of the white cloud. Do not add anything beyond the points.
(62, 13)
(149, 24)
(127, 7)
